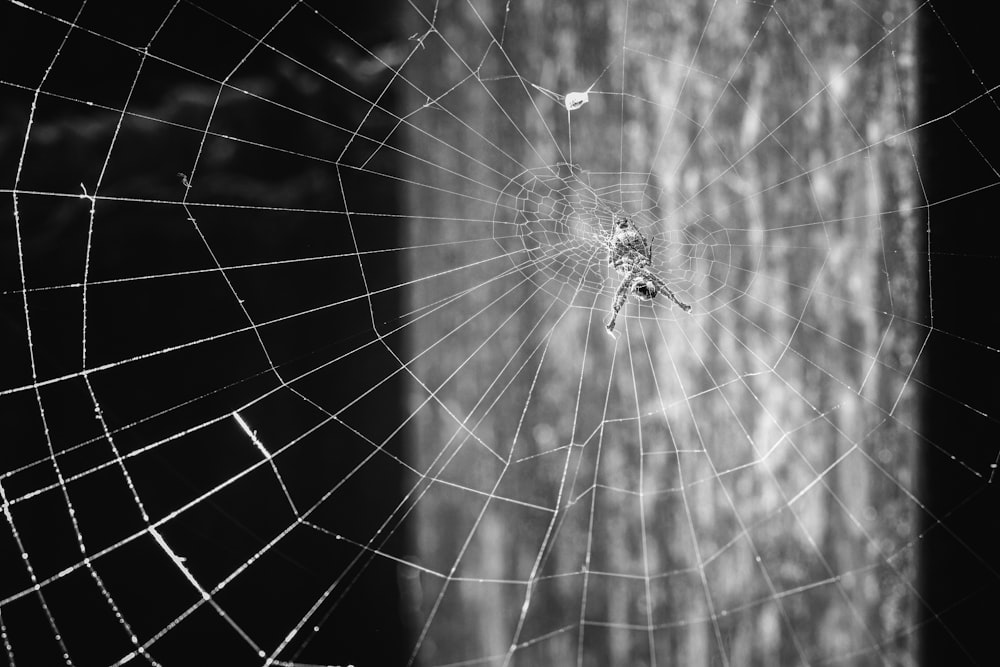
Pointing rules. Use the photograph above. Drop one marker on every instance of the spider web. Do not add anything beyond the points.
(304, 341)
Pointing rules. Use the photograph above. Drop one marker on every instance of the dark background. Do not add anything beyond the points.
(69, 141)
(962, 588)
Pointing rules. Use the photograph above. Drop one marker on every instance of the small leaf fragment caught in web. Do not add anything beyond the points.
(576, 100)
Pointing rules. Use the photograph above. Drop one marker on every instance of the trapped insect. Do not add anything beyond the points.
(632, 257)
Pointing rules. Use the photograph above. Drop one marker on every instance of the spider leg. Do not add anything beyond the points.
(652, 277)
(620, 297)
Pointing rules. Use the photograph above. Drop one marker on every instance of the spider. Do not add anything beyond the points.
(632, 257)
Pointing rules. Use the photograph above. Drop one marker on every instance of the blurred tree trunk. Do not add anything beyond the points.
(719, 459)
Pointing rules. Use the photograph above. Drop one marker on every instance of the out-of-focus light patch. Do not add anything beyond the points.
(365, 66)
(837, 84)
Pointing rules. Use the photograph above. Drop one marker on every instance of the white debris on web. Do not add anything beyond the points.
(572, 100)
(252, 434)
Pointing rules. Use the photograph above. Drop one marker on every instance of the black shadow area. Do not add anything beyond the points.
(268, 137)
(959, 156)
